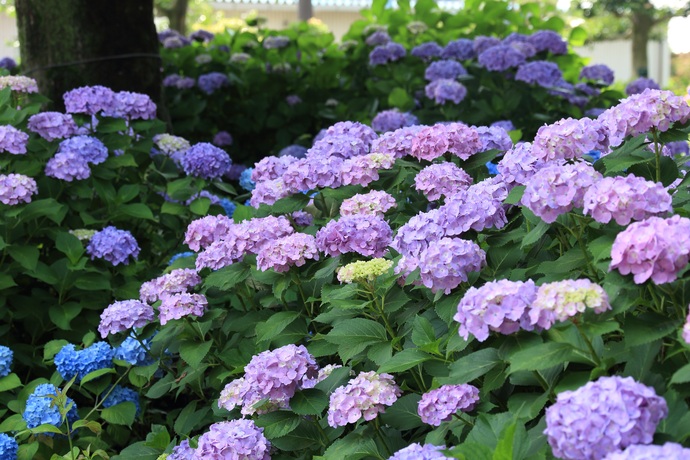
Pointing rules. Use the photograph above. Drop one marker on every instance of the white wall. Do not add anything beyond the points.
(8, 37)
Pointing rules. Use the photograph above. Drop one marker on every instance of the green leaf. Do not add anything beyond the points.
(403, 414)
(6, 281)
(10, 382)
(337, 378)
(304, 437)
(682, 375)
(138, 451)
(472, 451)
(535, 234)
(541, 356)
(14, 422)
(515, 195)
(278, 424)
(401, 99)
(200, 206)
(504, 448)
(309, 402)
(120, 414)
(194, 352)
(91, 425)
(27, 451)
(189, 418)
(46, 428)
(342, 296)
(352, 447)
(95, 374)
(26, 256)
(405, 360)
(51, 348)
(273, 326)
(48, 207)
(632, 152)
(578, 36)
(136, 210)
(93, 282)
(227, 277)
(473, 365)
(69, 245)
(161, 387)
(357, 331)
(647, 327)
(62, 314)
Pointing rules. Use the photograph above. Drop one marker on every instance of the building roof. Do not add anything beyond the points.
(449, 5)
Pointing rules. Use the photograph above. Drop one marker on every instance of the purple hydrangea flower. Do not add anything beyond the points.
(363, 234)
(268, 192)
(354, 129)
(89, 148)
(307, 174)
(625, 199)
(52, 125)
(123, 315)
(561, 300)
(175, 282)
(686, 330)
(113, 245)
(460, 49)
(558, 188)
(365, 396)
(441, 179)
(598, 72)
(654, 248)
(131, 106)
(204, 231)
(518, 165)
(296, 151)
(494, 137)
(176, 306)
(678, 148)
(16, 188)
(639, 85)
(439, 405)
(68, 166)
(206, 160)
(338, 146)
(380, 37)
(445, 69)
(179, 81)
(70, 362)
(283, 253)
(569, 139)
(7, 63)
(275, 42)
(211, 82)
(426, 51)
(302, 218)
(445, 90)
(478, 207)
(413, 237)
(505, 124)
(201, 35)
(19, 83)
(233, 439)
(222, 139)
(482, 43)
(397, 143)
(434, 141)
(542, 73)
(445, 263)
(500, 57)
(363, 170)
(602, 417)
(383, 54)
(183, 451)
(419, 452)
(90, 100)
(500, 306)
(12, 140)
(548, 40)
(374, 203)
(390, 120)
(669, 451)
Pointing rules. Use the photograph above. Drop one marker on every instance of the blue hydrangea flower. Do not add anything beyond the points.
(206, 160)
(8, 446)
(120, 394)
(71, 362)
(296, 151)
(113, 245)
(89, 148)
(246, 181)
(211, 82)
(180, 255)
(5, 361)
(493, 169)
(594, 154)
(41, 408)
(229, 206)
(132, 351)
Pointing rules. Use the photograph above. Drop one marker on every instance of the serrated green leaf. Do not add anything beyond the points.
(120, 414)
(405, 360)
(682, 375)
(647, 327)
(274, 325)
(278, 424)
(228, 277)
(403, 414)
(473, 365)
(541, 356)
(95, 374)
(309, 402)
(194, 352)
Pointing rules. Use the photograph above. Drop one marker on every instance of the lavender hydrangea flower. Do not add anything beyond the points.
(283, 253)
(374, 203)
(205, 160)
(271, 168)
(8, 63)
(222, 139)
(441, 179)
(383, 54)
(501, 57)
(669, 451)
(268, 192)
(654, 248)
(114, 245)
(296, 151)
(561, 300)
(397, 143)
(460, 49)
(337, 146)
(426, 51)
(541, 73)
(211, 82)
(363, 170)
(625, 199)
(500, 306)
(19, 83)
(90, 100)
(13, 140)
(444, 69)
(439, 405)
(172, 146)
(518, 165)
(413, 237)
(176, 306)
(204, 231)
(52, 125)
(390, 120)
(6, 356)
(275, 42)
(445, 90)
(597, 72)
(354, 129)
(233, 439)
(16, 188)
(380, 37)
(419, 452)
(89, 148)
(41, 407)
(302, 218)
(482, 43)
(71, 362)
(445, 263)
(123, 315)
(323, 374)
(183, 451)
(308, 174)
(548, 40)
(678, 148)
(131, 106)
(639, 85)
(569, 139)
(478, 207)
(179, 82)
(363, 234)
(602, 417)
(494, 137)
(432, 142)
(558, 188)
(365, 396)
(175, 282)
(686, 330)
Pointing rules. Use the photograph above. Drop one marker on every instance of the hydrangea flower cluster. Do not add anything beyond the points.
(602, 417)
(363, 234)
(445, 263)
(441, 179)
(90, 100)
(569, 139)
(518, 165)
(13, 140)
(669, 451)
(363, 170)
(625, 199)
(419, 452)
(500, 57)
(272, 375)
(445, 90)
(68, 166)
(120, 394)
(183, 451)
(176, 306)
(113, 245)
(271, 168)
(123, 315)
(233, 439)
(275, 41)
(52, 125)
(92, 150)
(268, 192)
(131, 106)
(8, 445)
(548, 40)
(19, 83)
(477, 208)
(373, 203)
(600, 73)
(172, 146)
(365, 396)
(561, 300)
(558, 188)
(70, 362)
(134, 352)
(431, 142)
(42, 407)
(383, 54)
(175, 282)
(439, 405)
(179, 82)
(444, 70)
(482, 43)
(654, 248)
(211, 82)
(541, 73)
(291, 250)
(639, 85)
(323, 374)
(397, 143)
(460, 49)
(222, 139)
(206, 161)
(16, 188)
(426, 51)
(6, 356)
(494, 137)
(246, 181)
(414, 236)
(363, 270)
(390, 120)
(202, 232)
(377, 38)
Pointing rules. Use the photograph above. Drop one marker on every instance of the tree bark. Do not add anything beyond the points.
(70, 43)
(177, 15)
(642, 24)
(305, 10)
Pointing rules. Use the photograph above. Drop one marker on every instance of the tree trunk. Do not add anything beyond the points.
(641, 27)
(70, 43)
(305, 10)
(177, 15)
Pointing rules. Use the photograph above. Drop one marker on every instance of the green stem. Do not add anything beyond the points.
(583, 247)
(99, 401)
(377, 428)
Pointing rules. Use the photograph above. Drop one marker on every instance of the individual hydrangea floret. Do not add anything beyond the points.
(283, 253)
(365, 396)
(558, 188)
(240, 439)
(445, 69)
(275, 41)
(558, 301)
(639, 85)
(16, 188)
(13, 140)
(426, 51)
(602, 417)
(52, 125)
(211, 82)
(363, 234)
(501, 57)
(570, 139)
(202, 232)
(6, 356)
(460, 49)
(498, 306)
(548, 40)
(89, 148)
(113, 245)
(120, 394)
(363, 271)
(222, 139)
(654, 248)
(445, 90)
(669, 451)
(176, 306)
(122, 315)
(419, 452)
(42, 407)
(439, 405)
(625, 199)
(175, 282)
(90, 100)
(541, 73)
(390, 120)
(383, 54)
(601, 73)
(445, 263)
(19, 83)
(8, 445)
(374, 203)
(205, 160)
(71, 362)
(441, 179)
(434, 141)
